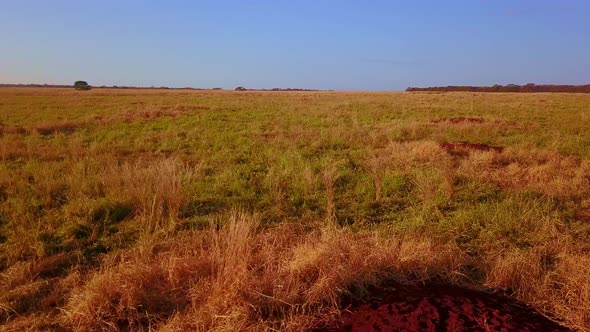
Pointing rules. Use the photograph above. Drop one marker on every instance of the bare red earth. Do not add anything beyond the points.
(470, 146)
(440, 308)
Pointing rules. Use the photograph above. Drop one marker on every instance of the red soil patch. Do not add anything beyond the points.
(470, 146)
(459, 120)
(441, 308)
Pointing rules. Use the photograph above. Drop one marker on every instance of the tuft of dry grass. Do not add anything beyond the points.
(412, 157)
(12, 149)
(48, 128)
(241, 277)
(36, 286)
(329, 174)
(157, 190)
(547, 172)
(553, 279)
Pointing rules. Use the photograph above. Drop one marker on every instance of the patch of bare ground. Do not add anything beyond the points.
(437, 307)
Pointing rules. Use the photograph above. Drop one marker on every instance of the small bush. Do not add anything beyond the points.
(82, 85)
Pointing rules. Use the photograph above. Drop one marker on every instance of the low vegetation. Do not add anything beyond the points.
(527, 88)
(182, 210)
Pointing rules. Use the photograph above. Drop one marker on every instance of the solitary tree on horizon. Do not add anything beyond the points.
(82, 85)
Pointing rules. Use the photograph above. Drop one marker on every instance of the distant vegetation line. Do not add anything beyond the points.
(531, 87)
(150, 87)
(102, 86)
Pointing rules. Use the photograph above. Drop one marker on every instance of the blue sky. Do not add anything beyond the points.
(321, 44)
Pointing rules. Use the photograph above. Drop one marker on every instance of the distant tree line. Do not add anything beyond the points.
(147, 88)
(531, 87)
(34, 85)
(5, 85)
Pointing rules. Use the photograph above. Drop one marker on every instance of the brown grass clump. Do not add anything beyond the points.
(544, 171)
(43, 128)
(32, 286)
(157, 190)
(241, 277)
(152, 112)
(329, 175)
(11, 129)
(411, 157)
(404, 156)
(48, 128)
(375, 166)
(13, 149)
(551, 279)
(36, 147)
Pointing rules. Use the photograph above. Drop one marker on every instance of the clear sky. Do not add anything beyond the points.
(320, 44)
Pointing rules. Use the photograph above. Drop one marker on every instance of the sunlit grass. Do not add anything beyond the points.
(111, 199)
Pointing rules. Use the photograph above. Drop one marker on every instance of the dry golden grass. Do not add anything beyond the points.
(155, 189)
(118, 207)
(242, 277)
(329, 174)
(544, 171)
(142, 112)
(552, 278)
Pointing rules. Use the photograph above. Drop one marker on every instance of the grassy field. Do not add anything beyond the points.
(218, 210)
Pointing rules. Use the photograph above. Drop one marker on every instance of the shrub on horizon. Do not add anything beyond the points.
(82, 85)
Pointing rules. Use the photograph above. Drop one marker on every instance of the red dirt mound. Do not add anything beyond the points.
(470, 146)
(440, 308)
(459, 120)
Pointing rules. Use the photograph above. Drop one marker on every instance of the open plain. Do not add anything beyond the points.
(172, 210)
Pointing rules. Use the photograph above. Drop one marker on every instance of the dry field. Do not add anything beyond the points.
(247, 211)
